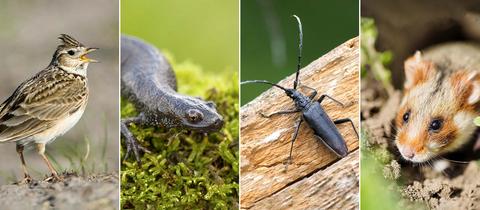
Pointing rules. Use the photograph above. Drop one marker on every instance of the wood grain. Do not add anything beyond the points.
(335, 187)
(265, 142)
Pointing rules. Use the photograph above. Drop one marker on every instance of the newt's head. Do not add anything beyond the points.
(199, 115)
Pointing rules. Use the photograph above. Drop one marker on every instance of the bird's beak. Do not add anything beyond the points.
(85, 58)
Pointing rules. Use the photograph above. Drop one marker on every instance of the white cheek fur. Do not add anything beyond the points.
(464, 121)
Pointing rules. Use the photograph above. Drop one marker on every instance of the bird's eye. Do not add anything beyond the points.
(71, 52)
(194, 115)
(406, 116)
(435, 125)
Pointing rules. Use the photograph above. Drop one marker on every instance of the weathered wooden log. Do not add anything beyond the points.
(316, 178)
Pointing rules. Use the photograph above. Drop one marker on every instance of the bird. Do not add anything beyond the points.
(48, 104)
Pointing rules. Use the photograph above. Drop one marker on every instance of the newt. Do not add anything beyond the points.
(149, 82)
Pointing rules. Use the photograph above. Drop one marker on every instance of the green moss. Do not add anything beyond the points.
(187, 170)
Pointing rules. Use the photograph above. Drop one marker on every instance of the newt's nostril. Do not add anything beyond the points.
(218, 122)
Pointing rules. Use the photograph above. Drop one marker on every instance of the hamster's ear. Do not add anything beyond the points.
(466, 86)
(417, 70)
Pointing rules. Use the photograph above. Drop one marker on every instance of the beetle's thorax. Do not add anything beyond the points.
(301, 101)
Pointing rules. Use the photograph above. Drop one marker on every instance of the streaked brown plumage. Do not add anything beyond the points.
(48, 104)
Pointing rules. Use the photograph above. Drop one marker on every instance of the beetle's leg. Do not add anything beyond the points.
(314, 92)
(294, 137)
(279, 113)
(130, 140)
(335, 100)
(344, 120)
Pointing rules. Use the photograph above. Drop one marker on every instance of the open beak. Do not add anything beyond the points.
(85, 58)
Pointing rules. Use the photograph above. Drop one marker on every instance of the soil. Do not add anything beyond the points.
(74, 192)
(441, 184)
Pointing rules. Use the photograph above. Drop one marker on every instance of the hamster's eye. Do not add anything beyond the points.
(71, 52)
(194, 115)
(406, 116)
(435, 125)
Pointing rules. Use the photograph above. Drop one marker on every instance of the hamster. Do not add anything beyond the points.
(440, 100)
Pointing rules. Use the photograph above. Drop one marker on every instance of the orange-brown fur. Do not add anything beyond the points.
(417, 76)
(463, 88)
(447, 95)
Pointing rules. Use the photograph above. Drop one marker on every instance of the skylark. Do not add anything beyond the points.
(48, 104)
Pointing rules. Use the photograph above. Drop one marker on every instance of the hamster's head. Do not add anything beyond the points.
(437, 110)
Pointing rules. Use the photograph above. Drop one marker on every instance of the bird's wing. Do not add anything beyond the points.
(39, 103)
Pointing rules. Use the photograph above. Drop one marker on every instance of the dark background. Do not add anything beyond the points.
(326, 24)
(405, 26)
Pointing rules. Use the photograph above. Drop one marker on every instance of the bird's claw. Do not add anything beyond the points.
(26, 180)
(53, 178)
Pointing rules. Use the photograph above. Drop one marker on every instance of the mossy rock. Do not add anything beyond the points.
(187, 170)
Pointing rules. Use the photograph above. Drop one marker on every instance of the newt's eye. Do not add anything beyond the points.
(406, 116)
(194, 115)
(435, 125)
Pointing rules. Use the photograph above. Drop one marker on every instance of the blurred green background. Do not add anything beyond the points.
(269, 36)
(199, 31)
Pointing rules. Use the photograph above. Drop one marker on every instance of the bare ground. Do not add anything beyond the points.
(74, 192)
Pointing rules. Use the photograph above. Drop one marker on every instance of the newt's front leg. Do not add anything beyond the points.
(130, 141)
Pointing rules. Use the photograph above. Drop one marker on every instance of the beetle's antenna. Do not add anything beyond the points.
(300, 45)
(265, 82)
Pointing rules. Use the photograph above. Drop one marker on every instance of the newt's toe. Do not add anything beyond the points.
(136, 148)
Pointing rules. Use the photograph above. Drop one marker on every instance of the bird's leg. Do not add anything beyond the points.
(130, 140)
(41, 152)
(27, 178)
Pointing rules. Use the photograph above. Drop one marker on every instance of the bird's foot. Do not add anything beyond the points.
(54, 178)
(27, 179)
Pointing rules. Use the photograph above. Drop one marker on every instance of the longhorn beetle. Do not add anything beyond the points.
(312, 111)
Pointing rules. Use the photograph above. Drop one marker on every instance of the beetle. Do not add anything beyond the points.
(312, 111)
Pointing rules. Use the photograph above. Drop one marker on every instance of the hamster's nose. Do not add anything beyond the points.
(408, 153)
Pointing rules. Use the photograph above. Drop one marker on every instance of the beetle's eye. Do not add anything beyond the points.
(71, 52)
(406, 116)
(194, 115)
(435, 125)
